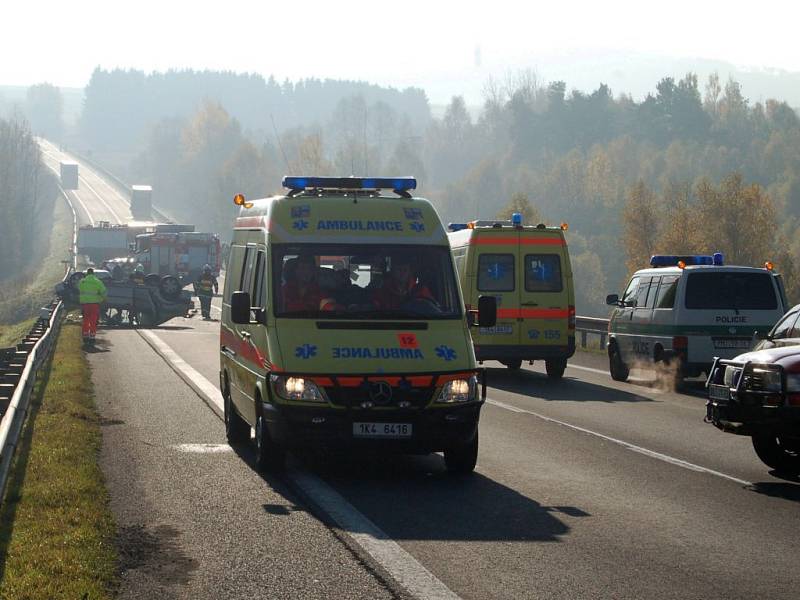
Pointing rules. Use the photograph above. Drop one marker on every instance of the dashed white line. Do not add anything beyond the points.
(99, 197)
(627, 445)
(396, 561)
(587, 369)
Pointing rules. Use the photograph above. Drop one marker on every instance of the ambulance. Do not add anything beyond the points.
(685, 310)
(343, 325)
(527, 269)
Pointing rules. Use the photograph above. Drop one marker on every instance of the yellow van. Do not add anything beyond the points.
(527, 269)
(343, 325)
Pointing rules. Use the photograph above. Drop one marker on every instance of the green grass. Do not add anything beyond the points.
(56, 528)
(10, 335)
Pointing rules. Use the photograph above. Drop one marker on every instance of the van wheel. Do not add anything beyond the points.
(461, 460)
(514, 365)
(617, 367)
(152, 279)
(779, 452)
(270, 457)
(237, 430)
(555, 367)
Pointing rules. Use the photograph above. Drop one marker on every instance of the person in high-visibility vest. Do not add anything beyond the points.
(206, 286)
(92, 295)
(137, 276)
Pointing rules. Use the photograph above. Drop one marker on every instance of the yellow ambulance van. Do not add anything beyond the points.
(527, 269)
(343, 325)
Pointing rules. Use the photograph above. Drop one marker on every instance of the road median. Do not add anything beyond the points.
(56, 529)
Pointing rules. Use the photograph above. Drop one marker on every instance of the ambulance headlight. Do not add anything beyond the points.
(297, 388)
(459, 390)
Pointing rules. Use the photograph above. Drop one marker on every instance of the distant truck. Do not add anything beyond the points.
(141, 202)
(69, 175)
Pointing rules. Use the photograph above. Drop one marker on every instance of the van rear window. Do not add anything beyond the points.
(543, 273)
(731, 291)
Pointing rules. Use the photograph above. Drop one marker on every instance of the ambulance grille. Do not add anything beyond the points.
(355, 397)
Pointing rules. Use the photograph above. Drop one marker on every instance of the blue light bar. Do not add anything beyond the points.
(516, 219)
(456, 226)
(398, 184)
(663, 260)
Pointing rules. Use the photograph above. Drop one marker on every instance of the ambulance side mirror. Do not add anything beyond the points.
(487, 311)
(240, 308)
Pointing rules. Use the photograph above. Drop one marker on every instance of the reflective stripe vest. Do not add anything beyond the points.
(92, 290)
(205, 285)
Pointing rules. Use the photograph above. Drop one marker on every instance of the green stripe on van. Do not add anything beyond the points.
(672, 330)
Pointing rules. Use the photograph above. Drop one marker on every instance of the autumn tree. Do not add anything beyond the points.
(641, 221)
(520, 204)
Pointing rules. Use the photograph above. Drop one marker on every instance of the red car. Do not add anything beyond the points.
(758, 394)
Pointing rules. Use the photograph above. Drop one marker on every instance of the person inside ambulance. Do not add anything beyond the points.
(300, 291)
(400, 287)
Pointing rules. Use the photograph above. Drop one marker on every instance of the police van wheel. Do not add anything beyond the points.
(514, 365)
(269, 456)
(555, 368)
(617, 367)
(780, 453)
(461, 460)
(237, 430)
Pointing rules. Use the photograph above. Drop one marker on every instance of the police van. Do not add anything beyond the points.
(527, 269)
(343, 325)
(686, 310)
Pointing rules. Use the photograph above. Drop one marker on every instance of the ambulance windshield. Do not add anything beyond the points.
(364, 282)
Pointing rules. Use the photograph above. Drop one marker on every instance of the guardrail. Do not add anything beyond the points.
(19, 367)
(593, 325)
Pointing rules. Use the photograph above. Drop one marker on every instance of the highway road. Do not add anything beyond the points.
(585, 488)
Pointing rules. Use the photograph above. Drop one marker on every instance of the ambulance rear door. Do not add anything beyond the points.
(497, 266)
(543, 294)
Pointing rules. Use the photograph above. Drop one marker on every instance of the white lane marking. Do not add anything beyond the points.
(189, 374)
(203, 448)
(588, 369)
(99, 197)
(401, 565)
(627, 445)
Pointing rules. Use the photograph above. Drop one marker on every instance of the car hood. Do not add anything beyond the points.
(785, 355)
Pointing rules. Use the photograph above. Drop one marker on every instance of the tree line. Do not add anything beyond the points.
(26, 200)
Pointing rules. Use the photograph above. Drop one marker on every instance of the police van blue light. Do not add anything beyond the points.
(662, 260)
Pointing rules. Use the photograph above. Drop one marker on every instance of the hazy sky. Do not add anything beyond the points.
(408, 42)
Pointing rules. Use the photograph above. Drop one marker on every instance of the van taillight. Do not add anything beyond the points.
(571, 318)
(680, 344)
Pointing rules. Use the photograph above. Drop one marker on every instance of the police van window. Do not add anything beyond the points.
(651, 296)
(666, 291)
(641, 293)
(786, 327)
(729, 290)
(543, 273)
(630, 292)
(496, 273)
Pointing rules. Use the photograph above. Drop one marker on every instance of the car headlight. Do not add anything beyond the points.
(793, 383)
(297, 388)
(459, 390)
(767, 379)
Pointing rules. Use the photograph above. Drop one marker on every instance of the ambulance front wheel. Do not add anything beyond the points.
(237, 430)
(555, 367)
(513, 364)
(270, 457)
(461, 460)
(617, 367)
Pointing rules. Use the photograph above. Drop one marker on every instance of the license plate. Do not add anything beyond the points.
(495, 330)
(732, 343)
(382, 430)
(719, 392)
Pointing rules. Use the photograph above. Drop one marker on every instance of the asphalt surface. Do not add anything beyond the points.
(585, 488)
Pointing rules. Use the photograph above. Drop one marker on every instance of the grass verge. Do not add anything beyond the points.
(23, 297)
(56, 528)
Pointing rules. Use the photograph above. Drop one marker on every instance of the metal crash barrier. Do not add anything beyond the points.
(591, 325)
